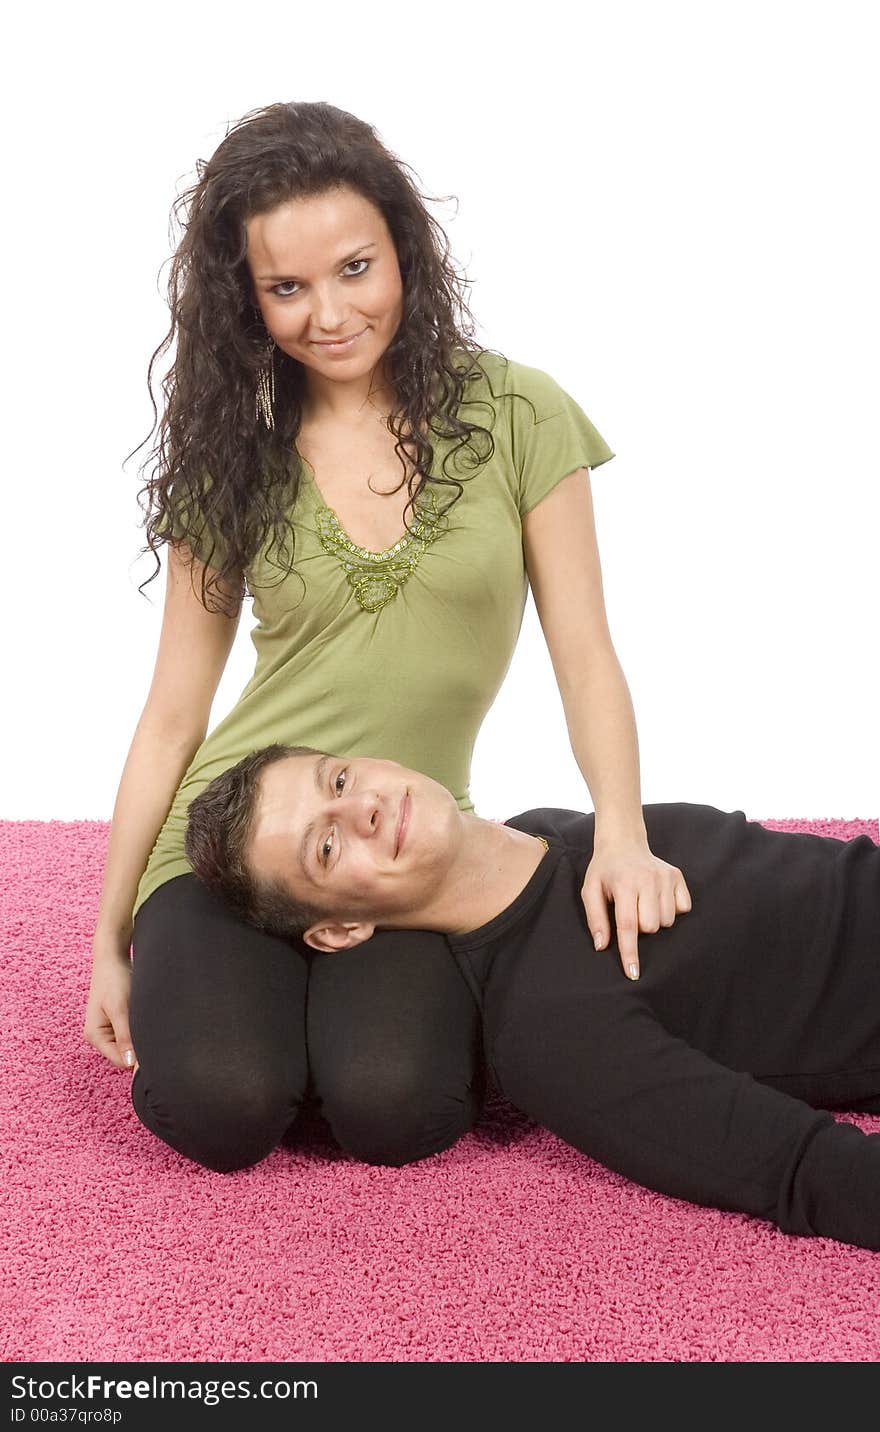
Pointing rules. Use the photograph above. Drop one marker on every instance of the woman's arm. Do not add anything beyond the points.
(194, 645)
(564, 569)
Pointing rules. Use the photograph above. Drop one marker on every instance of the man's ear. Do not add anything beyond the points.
(338, 934)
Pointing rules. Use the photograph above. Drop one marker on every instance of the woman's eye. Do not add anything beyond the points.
(277, 289)
(341, 777)
(326, 850)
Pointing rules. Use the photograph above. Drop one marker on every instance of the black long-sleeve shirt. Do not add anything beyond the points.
(710, 1077)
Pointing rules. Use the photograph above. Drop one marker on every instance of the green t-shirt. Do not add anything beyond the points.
(398, 656)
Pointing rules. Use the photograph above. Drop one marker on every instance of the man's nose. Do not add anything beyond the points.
(364, 810)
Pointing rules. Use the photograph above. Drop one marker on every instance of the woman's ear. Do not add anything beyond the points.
(338, 935)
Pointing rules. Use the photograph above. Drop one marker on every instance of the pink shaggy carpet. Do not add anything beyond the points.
(509, 1247)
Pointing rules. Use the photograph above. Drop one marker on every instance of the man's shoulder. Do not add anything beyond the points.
(576, 828)
(567, 827)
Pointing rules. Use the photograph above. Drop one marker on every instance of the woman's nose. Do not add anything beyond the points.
(328, 315)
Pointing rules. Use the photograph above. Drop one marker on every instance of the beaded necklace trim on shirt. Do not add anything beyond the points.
(376, 577)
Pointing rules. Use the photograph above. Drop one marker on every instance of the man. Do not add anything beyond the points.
(710, 1078)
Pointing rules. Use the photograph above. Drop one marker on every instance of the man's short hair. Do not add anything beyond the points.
(219, 827)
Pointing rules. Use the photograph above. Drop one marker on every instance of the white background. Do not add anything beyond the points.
(673, 209)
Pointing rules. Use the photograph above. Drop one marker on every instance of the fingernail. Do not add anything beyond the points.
(599, 941)
(128, 1056)
(633, 971)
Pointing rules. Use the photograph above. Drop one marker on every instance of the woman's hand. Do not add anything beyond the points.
(106, 1021)
(646, 893)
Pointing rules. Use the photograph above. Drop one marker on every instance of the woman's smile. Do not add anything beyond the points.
(343, 347)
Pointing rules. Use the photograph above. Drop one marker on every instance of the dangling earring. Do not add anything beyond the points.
(266, 389)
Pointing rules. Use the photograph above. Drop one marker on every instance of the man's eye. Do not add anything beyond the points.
(328, 845)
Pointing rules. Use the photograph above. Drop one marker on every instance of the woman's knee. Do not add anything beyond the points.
(394, 1045)
(395, 1112)
(217, 1017)
(222, 1118)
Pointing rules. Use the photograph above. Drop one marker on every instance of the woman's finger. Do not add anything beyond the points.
(596, 910)
(667, 906)
(626, 915)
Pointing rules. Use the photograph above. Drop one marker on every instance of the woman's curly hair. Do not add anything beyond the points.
(221, 476)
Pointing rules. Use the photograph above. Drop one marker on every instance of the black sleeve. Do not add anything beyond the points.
(602, 1073)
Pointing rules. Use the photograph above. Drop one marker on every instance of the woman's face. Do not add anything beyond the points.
(325, 268)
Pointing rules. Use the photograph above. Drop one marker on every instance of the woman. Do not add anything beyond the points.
(335, 447)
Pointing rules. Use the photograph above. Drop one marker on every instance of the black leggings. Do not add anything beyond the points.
(235, 1031)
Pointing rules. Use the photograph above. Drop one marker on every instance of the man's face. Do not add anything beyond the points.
(361, 838)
